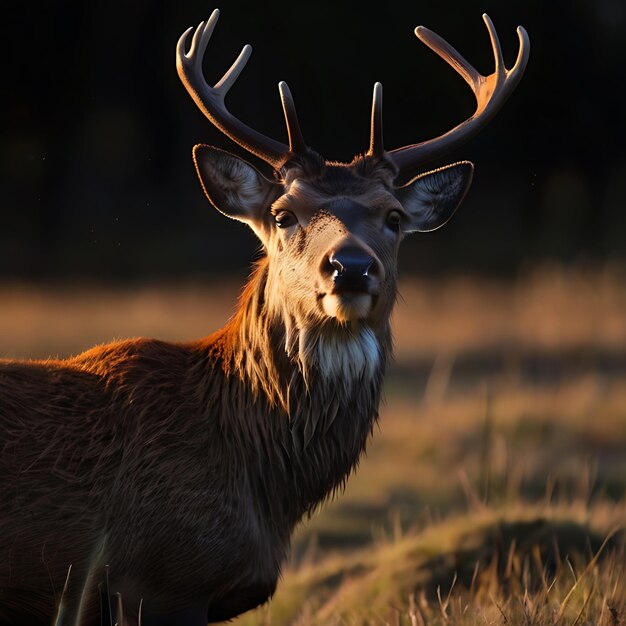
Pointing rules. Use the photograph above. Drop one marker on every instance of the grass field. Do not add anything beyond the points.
(493, 489)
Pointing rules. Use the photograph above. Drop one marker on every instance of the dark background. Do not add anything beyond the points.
(95, 152)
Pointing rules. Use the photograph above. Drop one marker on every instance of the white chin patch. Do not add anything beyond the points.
(346, 307)
(349, 357)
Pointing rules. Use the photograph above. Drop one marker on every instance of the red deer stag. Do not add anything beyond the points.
(166, 479)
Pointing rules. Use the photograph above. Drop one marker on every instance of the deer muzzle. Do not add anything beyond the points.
(353, 275)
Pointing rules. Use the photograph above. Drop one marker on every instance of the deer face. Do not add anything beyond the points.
(331, 231)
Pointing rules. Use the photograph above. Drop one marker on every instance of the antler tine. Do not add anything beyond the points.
(296, 141)
(495, 45)
(522, 55)
(449, 54)
(490, 91)
(377, 147)
(210, 100)
(203, 34)
(232, 74)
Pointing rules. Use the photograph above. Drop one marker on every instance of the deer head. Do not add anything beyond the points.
(332, 230)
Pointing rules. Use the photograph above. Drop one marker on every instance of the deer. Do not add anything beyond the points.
(159, 483)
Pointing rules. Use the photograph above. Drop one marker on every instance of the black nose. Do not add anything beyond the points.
(351, 268)
(351, 261)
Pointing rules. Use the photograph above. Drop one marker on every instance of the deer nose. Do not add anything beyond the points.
(350, 268)
(354, 261)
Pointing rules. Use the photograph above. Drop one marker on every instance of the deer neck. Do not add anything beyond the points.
(316, 391)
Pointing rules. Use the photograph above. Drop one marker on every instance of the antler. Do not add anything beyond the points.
(490, 91)
(210, 100)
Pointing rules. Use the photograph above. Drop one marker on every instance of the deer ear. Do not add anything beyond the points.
(233, 186)
(432, 198)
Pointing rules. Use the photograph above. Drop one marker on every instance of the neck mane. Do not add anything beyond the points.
(314, 392)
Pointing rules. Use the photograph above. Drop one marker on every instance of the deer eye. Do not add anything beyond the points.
(285, 219)
(393, 220)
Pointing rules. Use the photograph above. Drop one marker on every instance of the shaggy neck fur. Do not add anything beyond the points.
(314, 389)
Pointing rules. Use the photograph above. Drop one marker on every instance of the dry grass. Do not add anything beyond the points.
(524, 566)
(498, 470)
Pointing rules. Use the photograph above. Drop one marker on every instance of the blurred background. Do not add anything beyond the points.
(97, 178)
(507, 396)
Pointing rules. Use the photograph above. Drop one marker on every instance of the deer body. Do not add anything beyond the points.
(147, 455)
(170, 476)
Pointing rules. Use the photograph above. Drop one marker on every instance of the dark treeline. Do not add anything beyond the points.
(97, 177)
